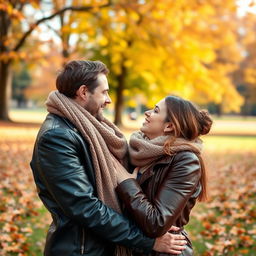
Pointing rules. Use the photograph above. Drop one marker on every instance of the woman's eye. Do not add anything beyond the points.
(155, 110)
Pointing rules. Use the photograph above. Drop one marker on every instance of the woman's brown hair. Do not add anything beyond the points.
(189, 123)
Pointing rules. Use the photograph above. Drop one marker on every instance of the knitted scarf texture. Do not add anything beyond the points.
(106, 142)
(145, 152)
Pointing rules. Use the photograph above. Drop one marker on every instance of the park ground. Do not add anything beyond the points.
(224, 225)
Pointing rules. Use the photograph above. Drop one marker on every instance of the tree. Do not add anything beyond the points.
(21, 81)
(13, 37)
(245, 75)
(162, 47)
(151, 47)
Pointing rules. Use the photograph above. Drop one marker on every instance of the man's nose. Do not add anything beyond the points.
(108, 99)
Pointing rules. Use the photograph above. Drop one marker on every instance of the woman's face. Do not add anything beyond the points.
(155, 121)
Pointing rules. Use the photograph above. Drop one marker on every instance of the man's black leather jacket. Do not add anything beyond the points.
(64, 176)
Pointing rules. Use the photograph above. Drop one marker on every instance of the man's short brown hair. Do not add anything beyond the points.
(79, 72)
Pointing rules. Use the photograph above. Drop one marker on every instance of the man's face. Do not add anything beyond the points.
(98, 100)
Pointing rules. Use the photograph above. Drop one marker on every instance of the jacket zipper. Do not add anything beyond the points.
(82, 245)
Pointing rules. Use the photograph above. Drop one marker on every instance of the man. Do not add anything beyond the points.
(74, 173)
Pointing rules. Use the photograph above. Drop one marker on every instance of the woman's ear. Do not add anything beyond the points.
(169, 127)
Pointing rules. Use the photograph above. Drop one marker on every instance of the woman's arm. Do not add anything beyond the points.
(157, 216)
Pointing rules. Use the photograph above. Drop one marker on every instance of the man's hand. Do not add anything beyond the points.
(170, 243)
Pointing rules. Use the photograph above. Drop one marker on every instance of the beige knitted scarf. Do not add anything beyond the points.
(107, 144)
(144, 152)
(105, 141)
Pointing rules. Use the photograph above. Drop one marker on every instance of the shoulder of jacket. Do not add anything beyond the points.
(178, 156)
(58, 127)
(186, 163)
(181, 165)
(186, 156)
(60, 135)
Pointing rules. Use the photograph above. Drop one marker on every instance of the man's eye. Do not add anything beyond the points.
(155, 110)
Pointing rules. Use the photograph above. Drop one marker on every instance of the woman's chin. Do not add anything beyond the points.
(142, 128)
(144, 131)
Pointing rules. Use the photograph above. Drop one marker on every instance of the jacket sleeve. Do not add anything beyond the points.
(157, 216)
(65, 176)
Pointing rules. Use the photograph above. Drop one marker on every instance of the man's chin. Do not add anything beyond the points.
(100, 116)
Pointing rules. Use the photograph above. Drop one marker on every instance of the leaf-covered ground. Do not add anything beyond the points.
(225, 225)
(19, 205)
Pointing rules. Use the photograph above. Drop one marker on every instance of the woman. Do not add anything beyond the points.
(171, 173)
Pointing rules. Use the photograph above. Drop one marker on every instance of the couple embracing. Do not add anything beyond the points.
(107, 197)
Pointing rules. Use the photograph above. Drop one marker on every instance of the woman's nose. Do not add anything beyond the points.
(147, 113)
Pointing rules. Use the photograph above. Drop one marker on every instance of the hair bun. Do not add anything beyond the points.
(205, 122)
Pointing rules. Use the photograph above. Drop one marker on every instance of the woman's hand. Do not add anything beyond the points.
(135, 173)
(122, 174)
(170, 243)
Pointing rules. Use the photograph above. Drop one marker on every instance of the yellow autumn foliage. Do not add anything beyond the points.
(173, 47)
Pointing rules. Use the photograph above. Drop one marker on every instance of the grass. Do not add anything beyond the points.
(229, 143)
(195, 227)
(36, 240)
(28, 115)
(235, 118)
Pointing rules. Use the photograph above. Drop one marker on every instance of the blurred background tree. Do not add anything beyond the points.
(21, 81)
(245, 75)
(202, 50)
(18, 19)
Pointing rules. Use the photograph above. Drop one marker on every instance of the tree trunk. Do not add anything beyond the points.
(65, 36)
(219, 110)
(5, 89)
(119, 96)
(5, 77)
(246, 106)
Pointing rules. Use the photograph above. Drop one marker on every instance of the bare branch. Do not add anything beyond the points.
(52, 29)
(59, 12)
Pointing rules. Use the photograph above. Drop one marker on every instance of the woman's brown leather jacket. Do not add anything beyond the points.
(164, 195)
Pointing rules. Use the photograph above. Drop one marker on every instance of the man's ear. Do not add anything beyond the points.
(82, 92)
(169, 127)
